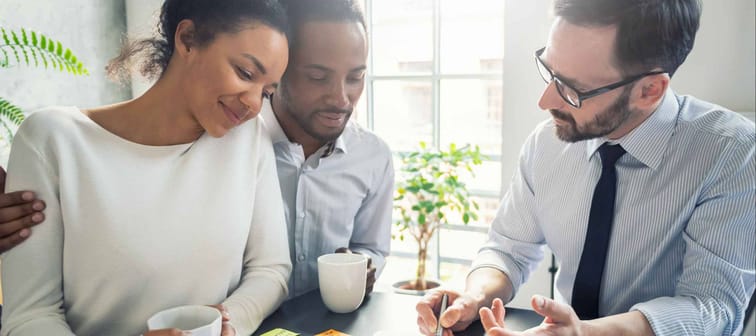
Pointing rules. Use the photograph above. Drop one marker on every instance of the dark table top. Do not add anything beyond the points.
(392, 313)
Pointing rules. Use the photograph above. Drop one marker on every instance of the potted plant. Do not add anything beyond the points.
(428, 191)
(32, 49)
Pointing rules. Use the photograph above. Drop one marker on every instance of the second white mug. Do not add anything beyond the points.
(342, 278)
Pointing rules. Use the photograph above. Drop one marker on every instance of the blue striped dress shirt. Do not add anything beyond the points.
(682, 247)
(331, 200)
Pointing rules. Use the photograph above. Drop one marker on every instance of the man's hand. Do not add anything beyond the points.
(462, 310)
(19, 211)
(370, 279)
(559, 319)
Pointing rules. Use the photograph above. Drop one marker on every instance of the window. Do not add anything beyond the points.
(431, 79)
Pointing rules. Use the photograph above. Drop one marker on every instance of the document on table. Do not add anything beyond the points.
(284, 332)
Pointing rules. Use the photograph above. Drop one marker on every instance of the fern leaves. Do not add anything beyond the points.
(35, 49)
(9, 113)
(32, 49)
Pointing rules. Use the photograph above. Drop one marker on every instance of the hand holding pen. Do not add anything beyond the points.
(444, 302)
(461, 310)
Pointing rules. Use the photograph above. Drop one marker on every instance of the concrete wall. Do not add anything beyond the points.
(92, 29)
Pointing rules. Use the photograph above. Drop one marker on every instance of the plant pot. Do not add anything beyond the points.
(405, 287)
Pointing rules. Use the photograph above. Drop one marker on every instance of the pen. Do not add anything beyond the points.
(444, 302)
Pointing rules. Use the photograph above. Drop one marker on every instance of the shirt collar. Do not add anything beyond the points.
(278, 135)
(648, 141)
(338, 145)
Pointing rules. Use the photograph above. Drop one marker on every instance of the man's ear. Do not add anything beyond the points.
(184, 37)
(650, 91)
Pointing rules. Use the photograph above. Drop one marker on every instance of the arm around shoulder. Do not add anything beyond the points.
(33, 296)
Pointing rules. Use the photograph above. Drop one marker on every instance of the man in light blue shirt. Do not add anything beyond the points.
(336, 177)
(680, 256)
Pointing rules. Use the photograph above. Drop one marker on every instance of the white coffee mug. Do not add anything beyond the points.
(200, 320)
(342, 278)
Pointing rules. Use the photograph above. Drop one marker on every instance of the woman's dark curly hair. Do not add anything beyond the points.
(210, 17)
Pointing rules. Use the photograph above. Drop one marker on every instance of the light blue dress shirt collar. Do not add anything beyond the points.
(646, 141)
(278, 135)
(681, 249)
(333, 199)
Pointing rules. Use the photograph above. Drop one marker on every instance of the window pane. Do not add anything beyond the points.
(487, 178)
(403, 112)
(360, 114)
(454, 275)
(412, 53)
(471, 111)
(401, 268)
(397, 269)
(488, 208)
(461, 244)
(486, 212)
(461, 51)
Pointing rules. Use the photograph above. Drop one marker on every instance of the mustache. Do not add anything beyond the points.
(333, 110)
(562, 116)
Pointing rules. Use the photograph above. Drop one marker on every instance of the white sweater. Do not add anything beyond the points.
(132, 229)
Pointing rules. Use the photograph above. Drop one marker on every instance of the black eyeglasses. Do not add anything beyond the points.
(573, 96)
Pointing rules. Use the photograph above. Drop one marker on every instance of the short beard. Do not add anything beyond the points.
(305, 121)
(602, 124)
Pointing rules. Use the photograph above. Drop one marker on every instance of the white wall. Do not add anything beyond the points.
(722, 66)
(142, 17)
(719, 69)
(526, 27)
(92, 29)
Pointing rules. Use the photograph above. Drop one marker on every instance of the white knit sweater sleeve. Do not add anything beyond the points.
(34, 269)
(267, 266)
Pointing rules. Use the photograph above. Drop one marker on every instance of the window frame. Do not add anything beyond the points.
(435, 77)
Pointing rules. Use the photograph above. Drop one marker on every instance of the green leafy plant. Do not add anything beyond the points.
(26, 47)
(428, 190)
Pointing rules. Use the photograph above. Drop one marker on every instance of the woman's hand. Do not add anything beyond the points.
(228, 328)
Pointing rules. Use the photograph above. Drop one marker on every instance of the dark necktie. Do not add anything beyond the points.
(585, 293)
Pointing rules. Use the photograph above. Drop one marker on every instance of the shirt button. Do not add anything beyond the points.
(301, 257)
(301, 215)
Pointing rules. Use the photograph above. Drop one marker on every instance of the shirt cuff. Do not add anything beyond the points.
(678, 316)
(493, 259)
(248, 309)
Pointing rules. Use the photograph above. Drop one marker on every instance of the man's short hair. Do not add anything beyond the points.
(650, 33)
(304, 11)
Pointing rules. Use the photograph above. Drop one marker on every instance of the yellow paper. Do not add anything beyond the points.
(280, 332)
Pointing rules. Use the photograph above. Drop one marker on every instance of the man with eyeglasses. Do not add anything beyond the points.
(646, 198)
